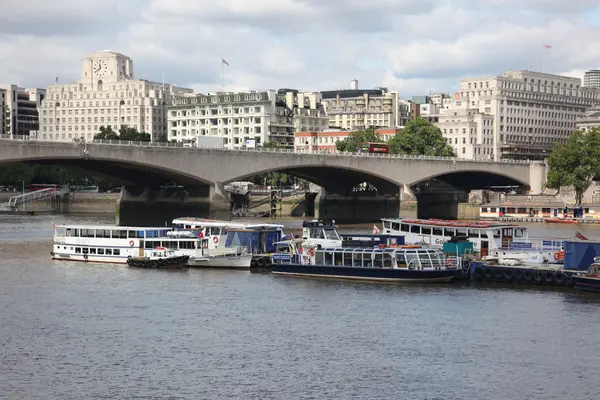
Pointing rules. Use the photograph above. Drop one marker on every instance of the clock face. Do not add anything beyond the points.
(100, 68)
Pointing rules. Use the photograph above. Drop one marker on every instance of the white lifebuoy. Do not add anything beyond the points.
(131, 243)
(216, 239)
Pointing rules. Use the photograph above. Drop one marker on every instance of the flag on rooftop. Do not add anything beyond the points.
(547, 46)
(224, 62)
(56, 79)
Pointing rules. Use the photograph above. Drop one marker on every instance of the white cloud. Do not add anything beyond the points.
(413, 46)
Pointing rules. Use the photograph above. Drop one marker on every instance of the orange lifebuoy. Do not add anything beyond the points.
(449, 263)
(216, 239)
(559, 255)
(311, 252)
(131, 243)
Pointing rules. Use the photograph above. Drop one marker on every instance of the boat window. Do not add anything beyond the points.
(449, 232)
(357, 259)
(92, 251)
(71, 232)
(405, 228)
(108, 252)
(347, 258)
(131, 234)
(215, 230)
(507, 232)
(496, 233)
(461, 232)
(415, 229)
(102, 233)
(386, 224)
(117, 252)
(328, 258)
(412, 259)
(438, 231)
(387, 260)
(426, 230)
(400, 259)
(319, 258)
(87, 233)
(77, 249)
(331, 234)
(518, 232)
(473, 233)
(170, 244)
(101, 251)
(316, 233)
(395, 226)
(187, 244)
(378, 260)
(85, 250)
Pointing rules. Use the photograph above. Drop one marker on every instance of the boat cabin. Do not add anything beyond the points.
(409, 257)
(319, 233)
(485, 236)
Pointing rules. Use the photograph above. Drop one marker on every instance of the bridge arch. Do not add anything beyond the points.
(333, 178)
(473, 179)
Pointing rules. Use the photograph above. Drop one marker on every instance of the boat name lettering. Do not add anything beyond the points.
(519, 245)
(440, 241)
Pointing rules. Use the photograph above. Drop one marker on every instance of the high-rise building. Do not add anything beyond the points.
(355, 109)
(530, 112)
(105, 95)
(591, 79)
(19, 109)
(261, 116)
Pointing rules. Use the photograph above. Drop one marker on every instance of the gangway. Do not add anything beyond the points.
(37, 195)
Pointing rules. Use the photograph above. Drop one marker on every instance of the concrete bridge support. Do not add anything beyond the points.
(143, 206)
(358, 207)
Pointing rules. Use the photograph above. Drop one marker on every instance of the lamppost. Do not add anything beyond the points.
(23, 192)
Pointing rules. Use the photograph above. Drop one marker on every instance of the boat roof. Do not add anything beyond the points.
(117, 227)
(381, 250)
(206, 222)
(451, 223)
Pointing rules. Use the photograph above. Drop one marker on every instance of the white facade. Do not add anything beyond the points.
(19, 109)
(468, 131)
(262, 116)
(356, 109)
(591, 79)
(105, 95)
(528, 109)
(591, 119)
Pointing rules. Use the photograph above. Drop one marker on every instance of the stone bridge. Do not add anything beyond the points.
(142, 167)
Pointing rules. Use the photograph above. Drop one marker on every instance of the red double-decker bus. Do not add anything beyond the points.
(375, 148)
(41, 186)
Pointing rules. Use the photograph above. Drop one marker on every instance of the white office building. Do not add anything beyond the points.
(355, 109)
(530, 112)
(591, 119)
(591, 79)
(105, 95)
(19, 110)
(258, 116)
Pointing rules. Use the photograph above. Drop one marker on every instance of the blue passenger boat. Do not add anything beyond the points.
(391, 263)
(589, 280)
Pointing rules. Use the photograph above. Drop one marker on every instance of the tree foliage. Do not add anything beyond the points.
(13, 174)
(125, 133)
(420, 137)
(576, 163)
(355, 140)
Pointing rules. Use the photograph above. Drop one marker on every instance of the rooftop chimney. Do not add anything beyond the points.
(353, 84)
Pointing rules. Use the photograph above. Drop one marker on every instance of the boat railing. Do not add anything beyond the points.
(435, 263)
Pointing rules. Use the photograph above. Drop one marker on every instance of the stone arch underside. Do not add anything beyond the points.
(335, 179)
(473, 180)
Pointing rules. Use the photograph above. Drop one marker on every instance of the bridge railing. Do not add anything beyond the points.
(276, 150)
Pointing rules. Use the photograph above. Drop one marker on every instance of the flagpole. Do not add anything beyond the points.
(222, 81)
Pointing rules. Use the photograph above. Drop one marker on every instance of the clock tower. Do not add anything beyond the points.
(106, 66)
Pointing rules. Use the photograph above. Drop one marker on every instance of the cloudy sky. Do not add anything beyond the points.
(414, 46)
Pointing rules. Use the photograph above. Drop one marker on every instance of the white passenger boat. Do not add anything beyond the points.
(491, 241)
(116, 244)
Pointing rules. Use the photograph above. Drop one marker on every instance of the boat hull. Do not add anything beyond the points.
(225, 262)
(585, 283)
(367, 274)
(178, 262)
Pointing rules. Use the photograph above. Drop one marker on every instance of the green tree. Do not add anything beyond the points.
(107, 133)
(576, 163)
(128, 133)
(355, 140)
(420, 137)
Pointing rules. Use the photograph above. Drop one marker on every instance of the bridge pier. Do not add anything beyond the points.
(439, 200)
(144, 206)
(358, 207)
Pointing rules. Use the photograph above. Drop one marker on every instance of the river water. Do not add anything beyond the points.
(89, 331)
